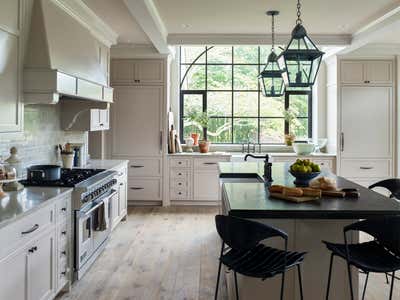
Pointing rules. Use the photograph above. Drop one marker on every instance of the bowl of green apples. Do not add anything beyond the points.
(304, 171)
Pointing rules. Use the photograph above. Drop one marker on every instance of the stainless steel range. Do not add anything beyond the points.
(91, 207)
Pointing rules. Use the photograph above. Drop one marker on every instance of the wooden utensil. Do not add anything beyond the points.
(293, 198)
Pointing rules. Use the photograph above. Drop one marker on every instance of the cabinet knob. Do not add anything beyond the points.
(121, 184)
(64, 273)
(179, 174)
(180, 193)
(64, 209)
(63, 232)
(180, 183)
(64, 252)
(179, 162)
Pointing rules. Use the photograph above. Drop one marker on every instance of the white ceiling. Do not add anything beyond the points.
(248, 16)
(116, 15)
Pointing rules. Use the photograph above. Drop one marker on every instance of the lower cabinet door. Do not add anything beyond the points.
(13, 279)
(206, 186)
(122, 196)
(114, 210)
(41, 267)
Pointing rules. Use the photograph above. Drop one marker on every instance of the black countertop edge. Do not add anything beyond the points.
(316, 215)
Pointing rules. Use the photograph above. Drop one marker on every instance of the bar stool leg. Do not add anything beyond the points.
(350, 280)
(236, 286)
(283, 284)
(329, 277)
(300, 282)
(391, 286)
(365, 285)
(219, 275)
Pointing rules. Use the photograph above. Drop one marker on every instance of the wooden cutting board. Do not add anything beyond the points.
(293, 198)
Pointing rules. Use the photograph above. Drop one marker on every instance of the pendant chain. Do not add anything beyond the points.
(273, 33)
(298, 21)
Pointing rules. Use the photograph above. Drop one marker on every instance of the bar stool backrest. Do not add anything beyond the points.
(242, 234)
(392, 185)
(385, 230)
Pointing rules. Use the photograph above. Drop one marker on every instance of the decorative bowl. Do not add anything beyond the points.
(303, 148)
(303, 179)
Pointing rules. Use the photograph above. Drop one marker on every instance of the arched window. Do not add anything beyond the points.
(222, 81)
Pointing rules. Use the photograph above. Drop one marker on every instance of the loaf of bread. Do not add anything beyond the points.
(310, 192)
(295, 192)
(276, 188)
(324, 183)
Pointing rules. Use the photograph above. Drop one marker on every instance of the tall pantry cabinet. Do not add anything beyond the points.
(366, 120)
(138, 133)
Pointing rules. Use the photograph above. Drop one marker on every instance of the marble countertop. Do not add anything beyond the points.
(251, 200)
(19, 204)
(287, 154)
(105, 163)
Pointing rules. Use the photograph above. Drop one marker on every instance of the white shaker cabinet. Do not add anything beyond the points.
(361, 72)
(137, 121)
(10, 67)
(137, 72)
(206, 186)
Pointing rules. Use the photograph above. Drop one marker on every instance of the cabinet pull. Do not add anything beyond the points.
(137, 166)
(64, 252)
(161, 140)
(366, 168)
(63, 232)
(180, 174)
(342, 142)
(137, 188)
(64, 273)
(101, 124)
(33, 249)
(35, 227)
(121, 184)
(210, 163)
(64, 209)
(180, 183)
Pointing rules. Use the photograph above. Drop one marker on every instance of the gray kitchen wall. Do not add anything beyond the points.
(42, 132)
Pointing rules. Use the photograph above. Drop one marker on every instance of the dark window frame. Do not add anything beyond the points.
(232, 117)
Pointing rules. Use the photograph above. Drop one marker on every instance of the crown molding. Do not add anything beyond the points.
(85, 16)
(253, 39)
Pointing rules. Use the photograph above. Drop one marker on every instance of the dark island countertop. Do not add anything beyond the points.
(251, 200)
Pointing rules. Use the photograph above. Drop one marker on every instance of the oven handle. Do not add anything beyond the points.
(108, 195)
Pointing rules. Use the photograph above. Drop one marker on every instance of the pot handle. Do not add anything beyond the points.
(32, 173)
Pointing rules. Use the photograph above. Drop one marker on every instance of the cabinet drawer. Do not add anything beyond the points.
(145, 167)
(62, 234)
(365, 168)
(63, 209)
(180, 163)
(179, 194)
(25, 229)
(144, 189)
(180, 174)
(208, 163)
(179, 184)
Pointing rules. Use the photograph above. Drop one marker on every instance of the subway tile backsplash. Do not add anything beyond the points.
(42, 132)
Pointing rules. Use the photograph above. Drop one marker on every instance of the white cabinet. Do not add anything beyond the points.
(13, 277)
(375, 72)
(137, 72)
(366, 119)
(99, 119)
(79, 116)
(41, 267)
(194, 179)
(137, 121)
(10, 67)
(366, 122)
(119, 203)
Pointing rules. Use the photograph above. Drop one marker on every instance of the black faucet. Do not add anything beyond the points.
(267, 165)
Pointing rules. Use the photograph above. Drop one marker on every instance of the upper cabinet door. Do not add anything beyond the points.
(9, 15)
(379, 72)
(368, 134)
(10, 102)
(136, 121)
(149, 71)
(352, 72)
(122, 72)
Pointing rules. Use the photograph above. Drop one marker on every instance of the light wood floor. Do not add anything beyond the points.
(170, 254)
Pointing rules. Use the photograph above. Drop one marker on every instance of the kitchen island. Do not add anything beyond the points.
(245, 195)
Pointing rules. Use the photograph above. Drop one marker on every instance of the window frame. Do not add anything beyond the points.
(232, 117)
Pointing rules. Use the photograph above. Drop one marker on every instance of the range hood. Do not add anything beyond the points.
(63, 56)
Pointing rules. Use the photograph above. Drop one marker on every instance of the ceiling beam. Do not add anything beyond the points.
(253, 39)
(388, 23)
(147, 16)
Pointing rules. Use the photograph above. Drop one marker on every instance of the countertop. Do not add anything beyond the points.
(105, 163)
(21, 203)
(251, 200)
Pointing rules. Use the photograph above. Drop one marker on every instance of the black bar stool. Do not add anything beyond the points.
(393, 186)
(245, 254)
(381, 255)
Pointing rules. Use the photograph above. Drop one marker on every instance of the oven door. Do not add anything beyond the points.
(83, 238)
(101, 232)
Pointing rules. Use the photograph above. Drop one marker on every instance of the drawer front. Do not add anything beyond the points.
(179, 194)
(63, 271)
(365, 168)
(144, 189)
(63, 207)
(180, 163)
(144, 167)
(179, 184)
(208, 163)
(62, 234)
(25, 229)
(180, 174)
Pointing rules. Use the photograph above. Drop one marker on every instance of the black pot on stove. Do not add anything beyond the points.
(41, 173)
